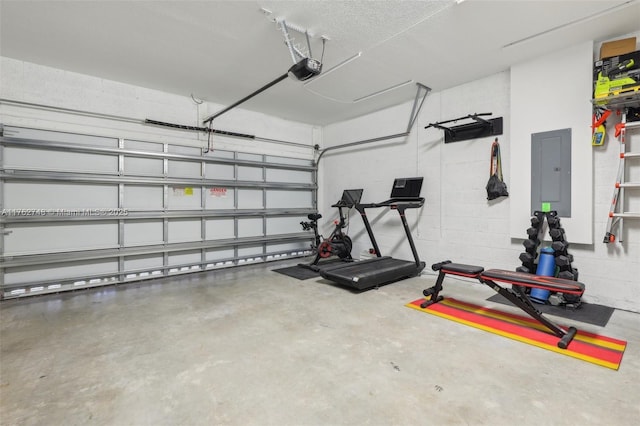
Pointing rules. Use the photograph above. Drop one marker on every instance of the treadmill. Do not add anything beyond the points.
(381, 270)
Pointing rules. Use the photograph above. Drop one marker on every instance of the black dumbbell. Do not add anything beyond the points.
(564, 260)
(533, 233)
(557, 234)
(527, 258)
(535, 221)
(531, 244)
(567, 275)
(532, 250)
(553, 221)
(523, 269)
(539, 216)
(564, 268)
(560, 247)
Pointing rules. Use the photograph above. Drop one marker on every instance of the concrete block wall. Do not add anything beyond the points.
(457, 222)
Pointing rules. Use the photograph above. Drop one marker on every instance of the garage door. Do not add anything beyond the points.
(84, 211)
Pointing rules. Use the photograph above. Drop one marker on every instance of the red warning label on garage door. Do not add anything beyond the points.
(218, 192)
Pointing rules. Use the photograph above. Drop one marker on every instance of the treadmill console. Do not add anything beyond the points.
(406, 187)
(351, 197)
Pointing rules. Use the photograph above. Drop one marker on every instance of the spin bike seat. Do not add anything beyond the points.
(314, 216)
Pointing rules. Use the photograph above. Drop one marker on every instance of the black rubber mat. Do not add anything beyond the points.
(302, 273)
(588, 313)
(298, 272)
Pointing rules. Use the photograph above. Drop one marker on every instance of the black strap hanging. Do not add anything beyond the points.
(496, 186)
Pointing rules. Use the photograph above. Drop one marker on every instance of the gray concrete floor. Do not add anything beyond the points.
(253, 347)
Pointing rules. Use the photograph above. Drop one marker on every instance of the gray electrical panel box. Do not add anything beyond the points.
(551, 172)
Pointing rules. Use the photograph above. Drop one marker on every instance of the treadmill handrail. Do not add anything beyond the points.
(409, 203)
(399, 204)
(342, 203)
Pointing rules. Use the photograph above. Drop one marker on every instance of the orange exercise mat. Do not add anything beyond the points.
(594, 348)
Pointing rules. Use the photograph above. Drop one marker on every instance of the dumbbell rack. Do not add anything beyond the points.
(559, 245)
(616, 212)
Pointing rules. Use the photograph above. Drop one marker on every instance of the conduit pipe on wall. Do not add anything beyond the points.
(421, 94)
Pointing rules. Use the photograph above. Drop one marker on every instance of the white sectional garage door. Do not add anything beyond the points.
(82, 211)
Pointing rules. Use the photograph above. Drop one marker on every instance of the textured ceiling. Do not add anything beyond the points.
(221, 51)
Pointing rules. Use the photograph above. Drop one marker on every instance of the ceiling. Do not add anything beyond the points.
(221, 51)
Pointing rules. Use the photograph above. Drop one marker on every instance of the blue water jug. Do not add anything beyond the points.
(547, 268)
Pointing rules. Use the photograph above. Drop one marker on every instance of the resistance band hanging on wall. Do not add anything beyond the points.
(496, 186)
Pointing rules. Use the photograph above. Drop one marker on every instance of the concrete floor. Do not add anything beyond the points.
(253, 347)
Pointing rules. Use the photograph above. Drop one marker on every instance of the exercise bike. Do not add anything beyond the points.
(338, 244)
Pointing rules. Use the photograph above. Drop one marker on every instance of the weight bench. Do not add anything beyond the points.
(516, 295)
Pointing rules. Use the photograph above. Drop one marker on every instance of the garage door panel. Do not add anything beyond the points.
(299, 245)
(140, 197)
(293, 176)
(217, 229)
(219, 171)
(250, 251)
(63, 196)
(134, 166)
(61, 271)
(41, 159)
(219, 254)
(143, 232)
(289, 199)
(219, 198)
(250, 227)
(132, 263)
(184, 197)
(250, 199)
(184, 258)
(250, 174)
(185, 169)
(64, 137)
(184, 230)
(38, 238)
(285, 225)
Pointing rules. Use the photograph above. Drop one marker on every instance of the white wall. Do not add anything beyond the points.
(553, 92)
(457, 222)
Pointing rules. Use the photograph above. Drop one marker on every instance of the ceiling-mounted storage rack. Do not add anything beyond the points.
(478, 128)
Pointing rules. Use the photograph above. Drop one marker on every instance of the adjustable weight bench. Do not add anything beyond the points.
(516, 295)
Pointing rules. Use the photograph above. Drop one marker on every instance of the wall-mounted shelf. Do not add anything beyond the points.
(628, 99)
(478, 128)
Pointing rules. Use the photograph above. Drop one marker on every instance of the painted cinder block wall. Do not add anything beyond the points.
(457, 222)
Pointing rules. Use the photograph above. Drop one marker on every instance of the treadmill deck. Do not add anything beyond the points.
(370, 273)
